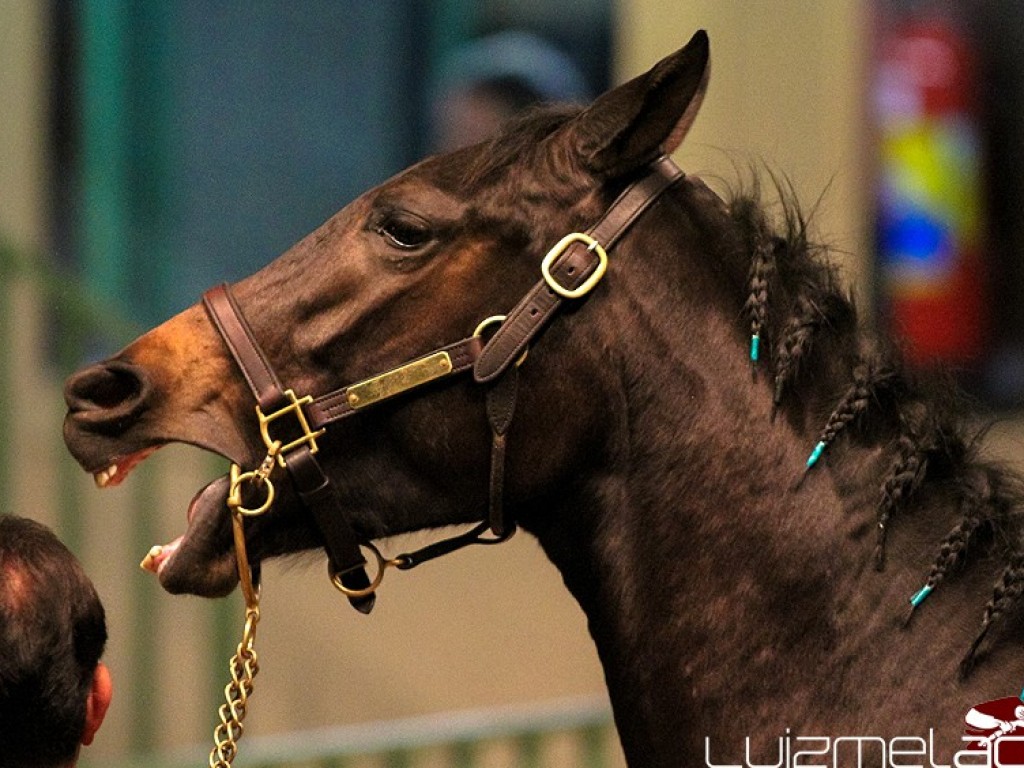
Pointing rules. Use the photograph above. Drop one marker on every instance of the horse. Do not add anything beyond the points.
(790, 549)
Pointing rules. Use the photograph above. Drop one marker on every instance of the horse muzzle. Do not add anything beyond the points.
(107, 398)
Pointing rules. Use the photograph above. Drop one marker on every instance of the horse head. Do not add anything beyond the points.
(407, 268)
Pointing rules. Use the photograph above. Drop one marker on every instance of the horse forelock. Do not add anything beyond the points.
(522, 140)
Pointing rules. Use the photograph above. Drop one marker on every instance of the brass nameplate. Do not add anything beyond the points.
(399, 380)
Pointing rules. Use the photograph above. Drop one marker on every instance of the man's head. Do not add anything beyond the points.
(53, 690)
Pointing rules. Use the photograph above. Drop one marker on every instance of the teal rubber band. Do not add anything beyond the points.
(816, 454)
(755, 347)
(918, 597)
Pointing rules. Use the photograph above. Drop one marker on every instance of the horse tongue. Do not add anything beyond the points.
(208, 504)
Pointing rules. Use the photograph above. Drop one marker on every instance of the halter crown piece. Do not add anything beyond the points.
(569, 272)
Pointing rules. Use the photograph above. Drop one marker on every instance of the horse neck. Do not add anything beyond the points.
(699, 476)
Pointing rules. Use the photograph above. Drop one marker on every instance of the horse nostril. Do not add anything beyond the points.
(110, 394)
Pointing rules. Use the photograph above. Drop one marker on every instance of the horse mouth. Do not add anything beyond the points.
(201, 561)
(117, 471)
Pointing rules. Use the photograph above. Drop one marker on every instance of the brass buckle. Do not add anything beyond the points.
(308, 435)
(560, 247)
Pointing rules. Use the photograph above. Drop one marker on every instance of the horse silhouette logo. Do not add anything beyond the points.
(997, 728)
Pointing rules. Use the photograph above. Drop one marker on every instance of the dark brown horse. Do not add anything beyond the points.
(746, 608)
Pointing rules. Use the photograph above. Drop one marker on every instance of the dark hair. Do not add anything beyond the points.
(52, 634)
(797, 313)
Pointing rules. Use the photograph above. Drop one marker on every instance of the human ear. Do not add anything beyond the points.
(97, 702)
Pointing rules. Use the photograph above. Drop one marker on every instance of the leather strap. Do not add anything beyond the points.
(336, 405)
(238, 336)
(345, 558)
(501, 406)
(571, 270)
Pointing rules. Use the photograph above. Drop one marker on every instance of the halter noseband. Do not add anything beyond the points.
(569, 271)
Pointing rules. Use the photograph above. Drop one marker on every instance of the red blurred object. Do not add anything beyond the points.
(930, 212)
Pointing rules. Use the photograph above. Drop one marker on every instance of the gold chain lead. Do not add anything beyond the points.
(243, 667)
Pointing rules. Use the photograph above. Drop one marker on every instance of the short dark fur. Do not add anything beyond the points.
(794, 303)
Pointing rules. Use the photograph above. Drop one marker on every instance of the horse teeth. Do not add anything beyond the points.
(149, 561)
(103, 478)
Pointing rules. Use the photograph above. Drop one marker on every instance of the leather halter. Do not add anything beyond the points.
(569, 271)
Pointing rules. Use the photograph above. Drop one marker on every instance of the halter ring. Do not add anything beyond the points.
(235, 493)
(382, 565)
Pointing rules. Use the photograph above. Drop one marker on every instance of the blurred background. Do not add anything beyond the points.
(151, 149)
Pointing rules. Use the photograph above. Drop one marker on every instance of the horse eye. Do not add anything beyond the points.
(405, 230)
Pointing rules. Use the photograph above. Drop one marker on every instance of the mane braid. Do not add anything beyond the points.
(870, 376)
(796, 311)
(762, 267)
(952, 552)
(906, 473)
(794, 344)
(1007, 592)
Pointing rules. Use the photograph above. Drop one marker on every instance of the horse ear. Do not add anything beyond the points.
(650, 115)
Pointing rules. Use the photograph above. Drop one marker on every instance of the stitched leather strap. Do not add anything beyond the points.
(238, 336)
(345, 558)
(501, 406)
(571, 270)
(336, 405)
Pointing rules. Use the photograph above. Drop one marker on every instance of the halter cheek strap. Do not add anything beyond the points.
(345, 559)
(570, 270)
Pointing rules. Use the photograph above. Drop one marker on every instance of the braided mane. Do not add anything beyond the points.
(797, 315)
